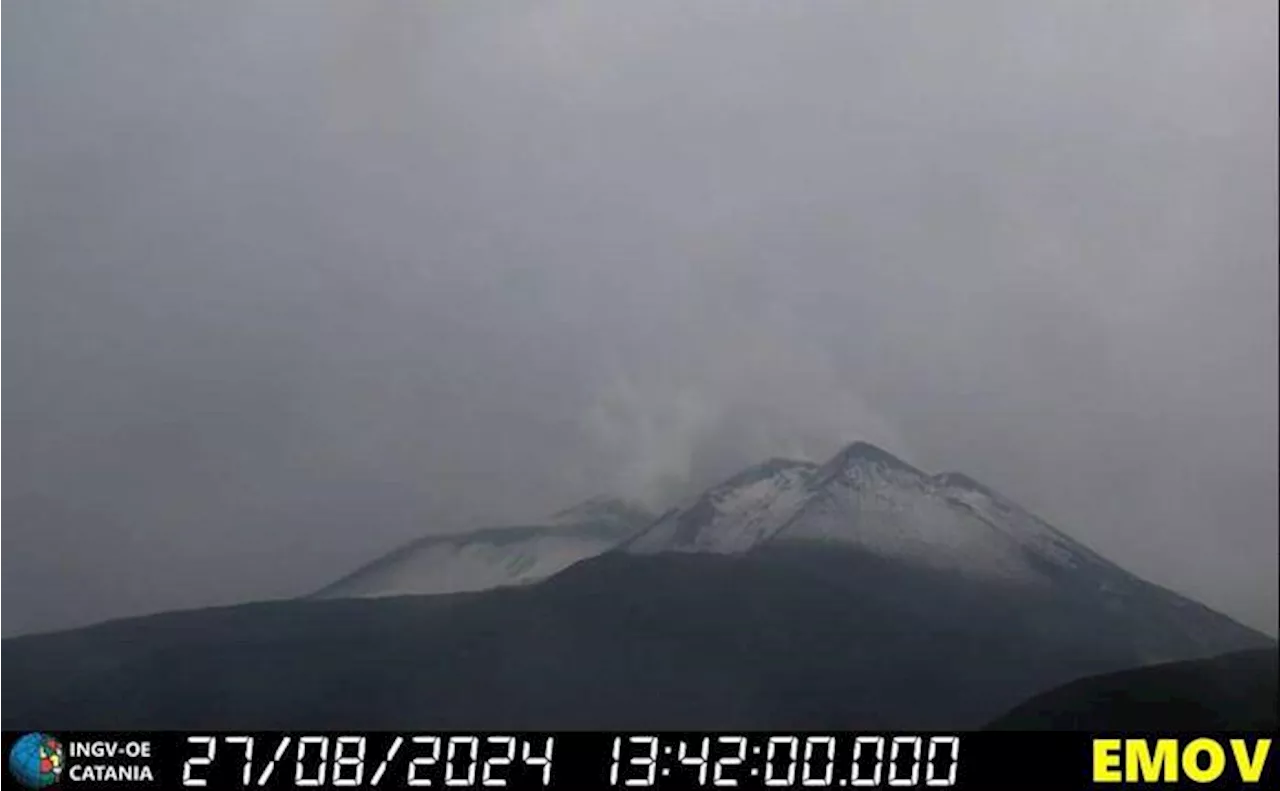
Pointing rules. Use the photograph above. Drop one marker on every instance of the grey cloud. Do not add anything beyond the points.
(289, 285)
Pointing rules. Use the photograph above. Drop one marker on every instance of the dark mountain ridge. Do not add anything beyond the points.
(1235, 691)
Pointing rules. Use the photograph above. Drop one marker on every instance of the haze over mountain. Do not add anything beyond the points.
(291, 284)
(862, 592)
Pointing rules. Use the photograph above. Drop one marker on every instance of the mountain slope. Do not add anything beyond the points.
(494, 557)
(789, 636)
(862, 593)
(1234, 691)
(866, 498)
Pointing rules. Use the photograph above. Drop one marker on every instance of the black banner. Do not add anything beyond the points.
(660, 760)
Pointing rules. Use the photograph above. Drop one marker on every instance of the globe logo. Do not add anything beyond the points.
(35, 760)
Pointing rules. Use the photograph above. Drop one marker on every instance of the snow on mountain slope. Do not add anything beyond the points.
(867, 497)
(733, 516)
(494, 557)
(1026, 529)
(885, 506)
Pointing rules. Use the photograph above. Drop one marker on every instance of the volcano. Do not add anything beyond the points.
(858, 593)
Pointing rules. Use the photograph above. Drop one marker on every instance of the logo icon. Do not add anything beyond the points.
(35, 760)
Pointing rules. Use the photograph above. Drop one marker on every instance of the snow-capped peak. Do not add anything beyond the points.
(867, 497)
(861, 455)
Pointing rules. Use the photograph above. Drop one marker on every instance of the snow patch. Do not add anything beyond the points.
(894, 512)
(453, 566)
(495, 557)
(734, 516)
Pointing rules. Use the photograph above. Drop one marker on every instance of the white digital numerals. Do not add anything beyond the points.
(641, 761)
(340, 761)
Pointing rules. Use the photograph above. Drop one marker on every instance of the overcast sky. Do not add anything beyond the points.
(288, 284)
